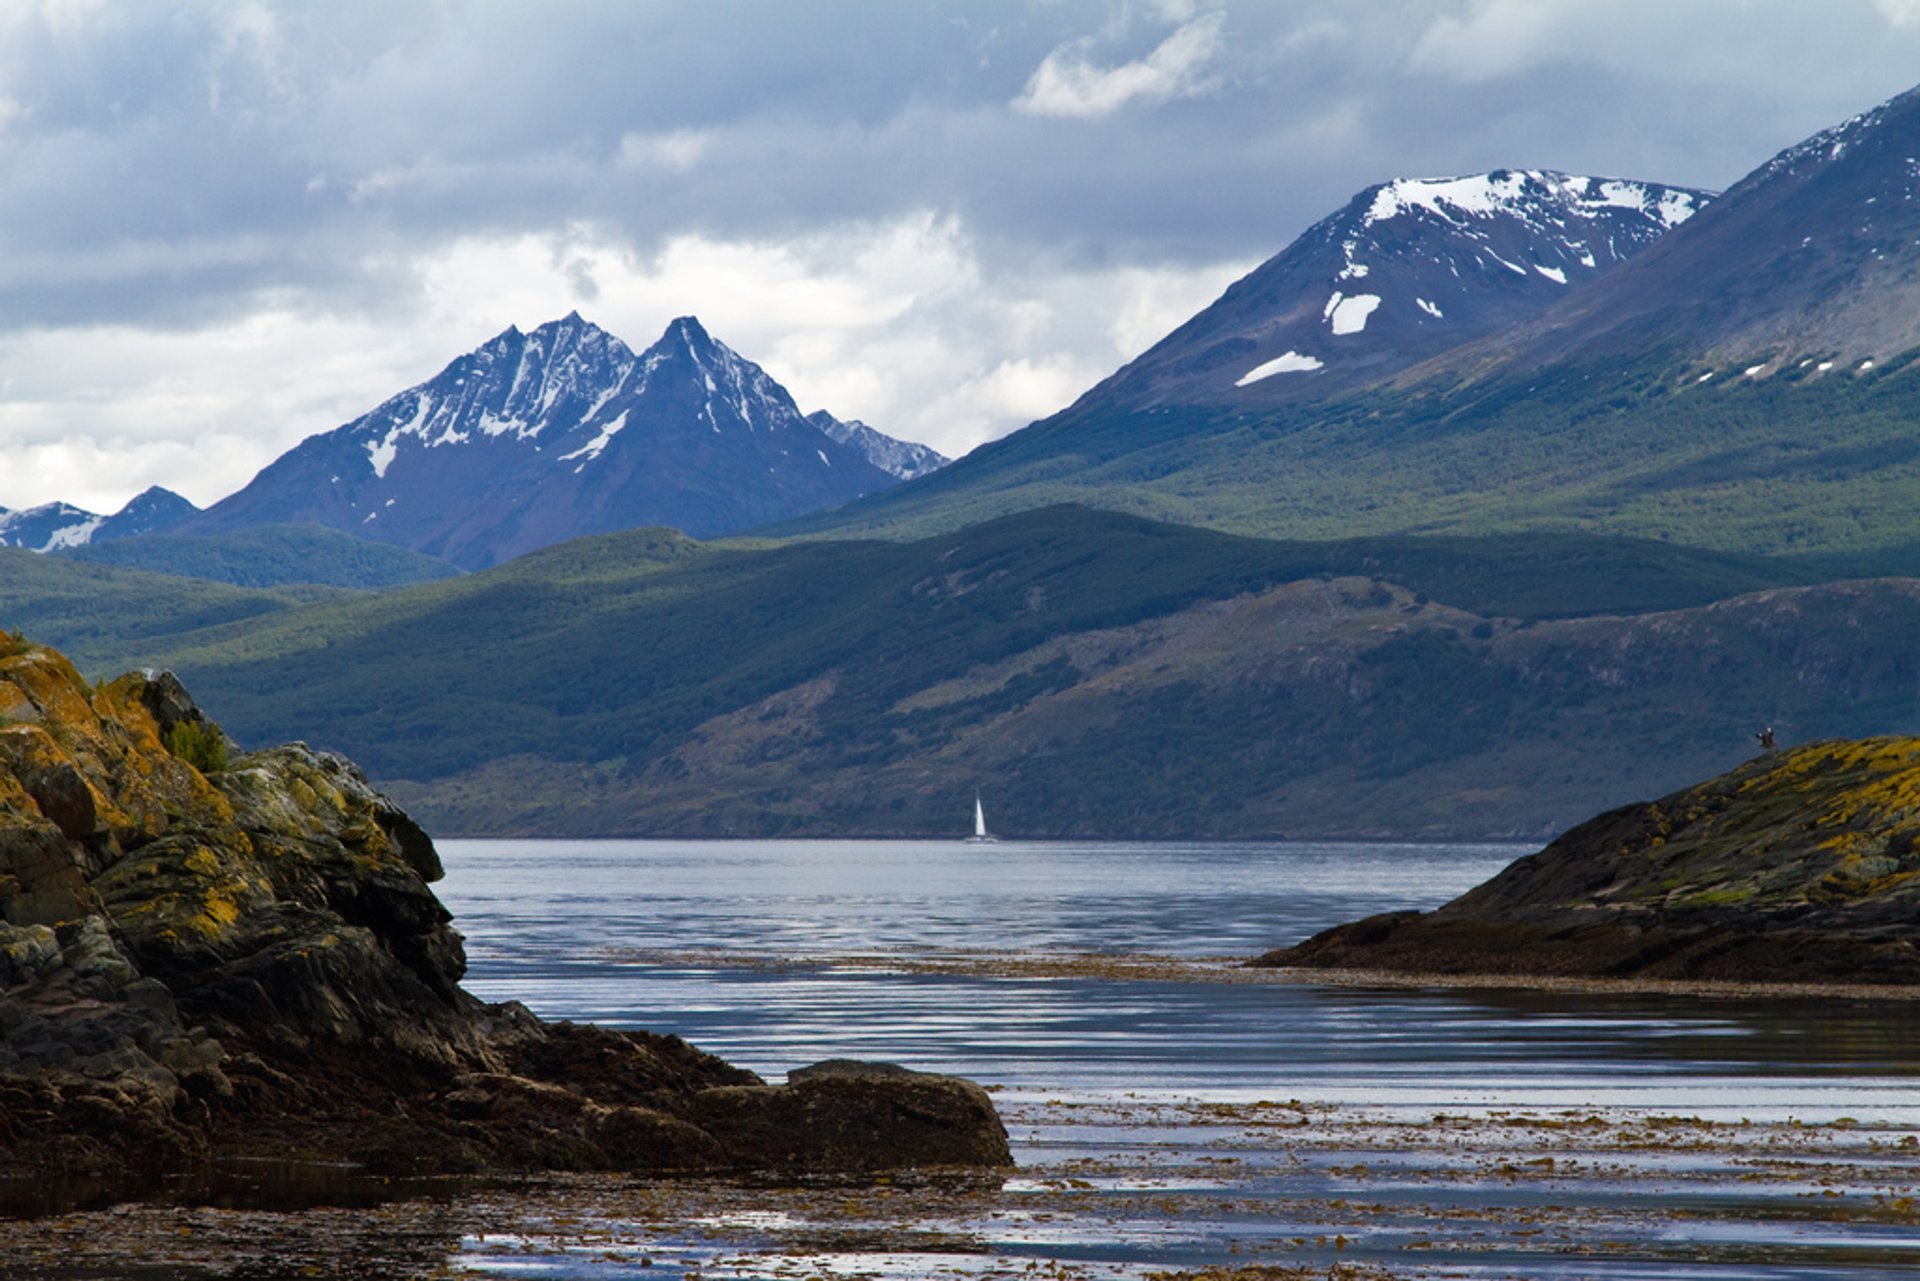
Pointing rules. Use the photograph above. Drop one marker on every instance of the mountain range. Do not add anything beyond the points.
(534, 438)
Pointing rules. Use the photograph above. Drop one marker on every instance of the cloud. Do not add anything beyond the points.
(901, 323)
(1067, 85)
(1494, 38)
(232, 223)
(676, 149)
(1899, 13)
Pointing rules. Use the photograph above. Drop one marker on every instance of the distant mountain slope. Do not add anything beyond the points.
(901, 459)
(269, 556)
(1406, 270)
(1815, 255)
(536, 438)
(1097, 673)
(53, 526)
(104, 613)
(153, 510)
(47, 526)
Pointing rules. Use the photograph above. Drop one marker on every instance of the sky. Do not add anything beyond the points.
(226, 226)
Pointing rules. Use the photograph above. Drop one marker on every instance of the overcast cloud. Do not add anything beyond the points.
(227, 226)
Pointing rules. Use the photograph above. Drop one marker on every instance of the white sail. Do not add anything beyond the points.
(980, 836)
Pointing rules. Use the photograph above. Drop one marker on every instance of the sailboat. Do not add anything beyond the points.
(980, 834)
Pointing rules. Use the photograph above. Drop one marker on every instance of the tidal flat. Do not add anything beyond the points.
(1171, 1115)
(1134, 1186)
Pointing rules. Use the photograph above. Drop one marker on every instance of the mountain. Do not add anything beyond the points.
(54, 526)
(1811, 258)
(901, 459)
(1094, 674)
(1741, 383)
(1407, 270)
(539, 437)
(268, 556)
(153, 510)
(47, 527)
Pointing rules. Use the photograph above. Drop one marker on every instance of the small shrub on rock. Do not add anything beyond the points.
(200, 744)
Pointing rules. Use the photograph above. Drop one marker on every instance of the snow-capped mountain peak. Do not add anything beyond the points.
(1529, 190)
(535, 437)
(1406, 270)
(516, 384)
(737, 392)
(48, 527)
(904, 459)
(56, 526)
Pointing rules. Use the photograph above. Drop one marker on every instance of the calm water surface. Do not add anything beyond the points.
(776, 954)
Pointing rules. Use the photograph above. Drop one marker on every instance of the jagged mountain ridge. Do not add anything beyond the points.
(1406, 270)
(54, 526)
(534, 438)
(902, 459)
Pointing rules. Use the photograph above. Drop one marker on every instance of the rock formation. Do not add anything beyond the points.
(1798, 867)
(203, 957)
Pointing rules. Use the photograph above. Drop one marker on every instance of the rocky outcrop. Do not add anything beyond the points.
(1798, 867)
(205, 957)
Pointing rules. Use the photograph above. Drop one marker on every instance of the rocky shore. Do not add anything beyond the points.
(207, 957)
(1798, 867)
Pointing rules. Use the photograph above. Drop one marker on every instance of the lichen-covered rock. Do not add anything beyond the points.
(249, 962)
(1799, 866)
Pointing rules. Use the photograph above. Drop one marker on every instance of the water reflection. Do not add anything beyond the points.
(811, 901)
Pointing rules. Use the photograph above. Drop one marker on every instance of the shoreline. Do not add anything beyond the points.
(1155, 967)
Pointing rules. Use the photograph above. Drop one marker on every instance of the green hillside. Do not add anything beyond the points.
(1098, 673)
(102, 614)
(1799, 463)
(269, 556)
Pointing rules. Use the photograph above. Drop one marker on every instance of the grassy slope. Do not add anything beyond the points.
(270, 556)
(1082, 662)
(1796, 464)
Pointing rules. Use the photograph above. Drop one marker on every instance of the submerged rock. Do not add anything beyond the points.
(247, 961)
(1800, 866)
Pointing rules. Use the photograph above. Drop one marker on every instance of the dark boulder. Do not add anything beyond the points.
(1800, 866)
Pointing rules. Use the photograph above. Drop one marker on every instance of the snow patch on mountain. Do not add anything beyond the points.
(1348, 315)
(595, 447)
(1455, 200)
(1291, 362)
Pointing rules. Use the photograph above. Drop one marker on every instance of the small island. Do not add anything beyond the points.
(1799, 867)
(208, 955)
